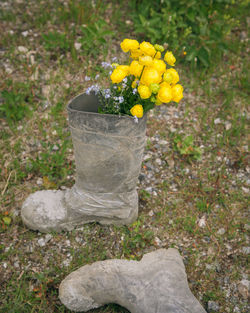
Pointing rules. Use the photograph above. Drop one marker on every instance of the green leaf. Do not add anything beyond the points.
(7, 220)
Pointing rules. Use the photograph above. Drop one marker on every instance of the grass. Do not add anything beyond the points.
(200, 179)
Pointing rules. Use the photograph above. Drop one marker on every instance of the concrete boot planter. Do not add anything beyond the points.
(156, 284)
(108, 153)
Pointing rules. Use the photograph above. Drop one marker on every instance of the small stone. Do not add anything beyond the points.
(77, 45)
(158, 241)
(217, 121)
(16, 264)
(228, 125)
(243, 288)
(213, 306)
(246, 190)
(221, 231)
(22, 49)
(158, 161)
(202, 221)
(5, 265)
(41, 242)
(55, 148)
(48, 237)
(163, 142)
(147, 157)
(245, 250)
(25, 33)
(151, 213)
(39, 181)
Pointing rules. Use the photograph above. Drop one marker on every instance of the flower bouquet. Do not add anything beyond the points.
(108, 144)
(143, 84)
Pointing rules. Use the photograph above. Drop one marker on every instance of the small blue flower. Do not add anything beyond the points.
(106, 65)
(135, 119)
(134, 91)
(121, 99)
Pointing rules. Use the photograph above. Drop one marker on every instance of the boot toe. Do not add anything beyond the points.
(44, 210)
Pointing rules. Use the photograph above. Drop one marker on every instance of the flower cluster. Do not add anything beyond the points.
(144, 83)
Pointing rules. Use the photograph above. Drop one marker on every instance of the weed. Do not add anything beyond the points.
(185, 146)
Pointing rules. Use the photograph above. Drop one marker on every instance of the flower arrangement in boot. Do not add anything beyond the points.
(142, 84)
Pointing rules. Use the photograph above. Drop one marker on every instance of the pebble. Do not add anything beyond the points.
(151, 213)
(221, 231)
(39, 181)
(228, 125)
(217, 121)
(245, 250)
(243, 288)
(55, 148)
(77, 45)
(41, 242)
(22, 49)
(212, 306)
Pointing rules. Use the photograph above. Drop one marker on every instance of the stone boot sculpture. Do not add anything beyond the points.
(156, 284)
(108, 153)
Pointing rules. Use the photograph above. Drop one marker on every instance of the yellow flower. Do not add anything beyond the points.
(165, 84)
(124, 68)
(150, 76)
(159, 65)
(169, 58)
(159, 48)
(158, 55)
(137, 110)
(147, 48)
(175, 76)
(146, 60)
(154, 88)
(135, 68)
(118, 75)
(135, 54)
(165, 94)
(168, 77)
(144, 92)
(134, 84)
(129, 44)
(177, 91)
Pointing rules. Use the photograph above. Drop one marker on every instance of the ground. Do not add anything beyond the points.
(194, 182)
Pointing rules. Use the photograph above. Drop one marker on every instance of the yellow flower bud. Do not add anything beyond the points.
(154, 88)
(114, 64)
(135, 68)
(150, 76)
(129, 44)
(158, 55)
(175, 76)
(137, 110)
(177, 91)
(146, 60)
(147, 48)
(165, 94)
(118, 75)
(144, 92)
(169, 58)
(159, 48)
(158, 102)
(159, 65)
